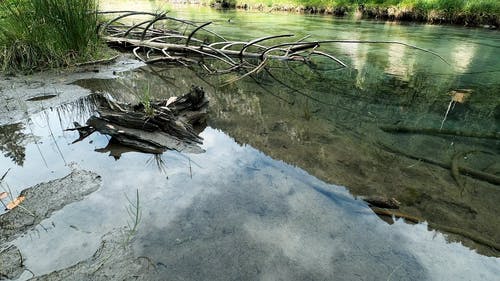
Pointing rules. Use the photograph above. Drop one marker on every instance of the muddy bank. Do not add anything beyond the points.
(114, 260)
(44, 199)
(40, 202)
(24, 95)
(11, 263)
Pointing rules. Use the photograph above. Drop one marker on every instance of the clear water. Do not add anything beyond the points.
(267, 201)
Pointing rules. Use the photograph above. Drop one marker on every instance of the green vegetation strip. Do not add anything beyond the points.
(40, 34)
(466, 12)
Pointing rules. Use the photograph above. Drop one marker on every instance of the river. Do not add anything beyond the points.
(276, 194)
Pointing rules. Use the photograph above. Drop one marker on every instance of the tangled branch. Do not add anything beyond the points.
(159, 38)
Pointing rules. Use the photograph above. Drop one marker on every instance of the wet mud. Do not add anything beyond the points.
(40, 202)
(114, 260)
(43, 199)
(22, 96)
(11, 262)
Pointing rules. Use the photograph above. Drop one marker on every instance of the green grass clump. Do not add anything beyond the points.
(468, 12)
(483, 6)
(38, 34)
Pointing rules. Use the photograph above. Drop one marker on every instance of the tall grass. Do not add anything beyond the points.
(473, 6)
(36, 34)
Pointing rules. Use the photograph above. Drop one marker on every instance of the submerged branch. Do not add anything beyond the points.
(436, 131)
(453, 230)
(463, 170)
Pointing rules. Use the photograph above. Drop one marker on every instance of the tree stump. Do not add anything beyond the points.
(152, 126)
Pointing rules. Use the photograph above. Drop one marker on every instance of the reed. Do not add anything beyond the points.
(39, 34)
(473, 12)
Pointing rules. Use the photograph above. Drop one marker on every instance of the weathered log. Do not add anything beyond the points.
(453, 230)
(152, 126)
(463, 170)
(195, 50)
(382, 202)
(397, 214)
(133, 120)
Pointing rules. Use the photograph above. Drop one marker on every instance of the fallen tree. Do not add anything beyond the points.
(160, 38)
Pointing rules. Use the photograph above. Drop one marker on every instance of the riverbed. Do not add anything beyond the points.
(276, 193)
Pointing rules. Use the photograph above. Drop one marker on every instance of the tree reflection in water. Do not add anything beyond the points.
(12, 142)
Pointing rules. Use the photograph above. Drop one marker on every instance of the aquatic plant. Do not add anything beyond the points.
(146, 102)
(135, 215)
(37, 34)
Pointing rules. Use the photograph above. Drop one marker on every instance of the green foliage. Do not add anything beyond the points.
(445, 6)
(146, 102)
(36, 34)
(483, 6)
(466, 12)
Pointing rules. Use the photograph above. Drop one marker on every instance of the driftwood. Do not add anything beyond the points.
(453, 230)
(438, 132)
(382, 202)
(480, 175)
(395, 213)
(152, 126)
(161, 38)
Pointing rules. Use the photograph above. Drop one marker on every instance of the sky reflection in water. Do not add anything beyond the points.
(231, 212)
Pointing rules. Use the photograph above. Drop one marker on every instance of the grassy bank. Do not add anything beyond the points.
(464, 12)
(40, 34)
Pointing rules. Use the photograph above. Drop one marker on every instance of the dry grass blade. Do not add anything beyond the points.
(4, 175)
(13, 204)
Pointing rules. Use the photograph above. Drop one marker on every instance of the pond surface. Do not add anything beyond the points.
(273, 197)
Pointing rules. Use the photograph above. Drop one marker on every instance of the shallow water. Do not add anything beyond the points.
(266, 200)
(231, 212)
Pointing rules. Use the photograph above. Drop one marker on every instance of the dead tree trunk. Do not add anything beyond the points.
(153, 126)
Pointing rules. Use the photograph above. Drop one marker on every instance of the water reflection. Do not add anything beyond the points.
(12, 142)
(260, 203)
(230, 213)
(341, 143)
